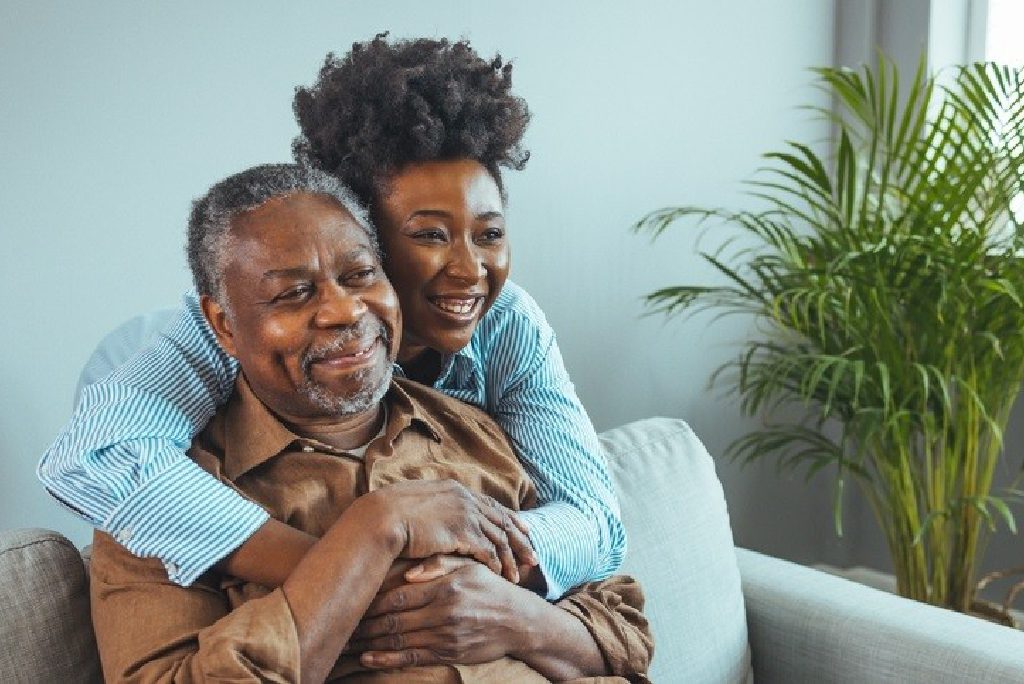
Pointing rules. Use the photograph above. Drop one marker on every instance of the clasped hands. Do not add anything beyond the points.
(453, 595)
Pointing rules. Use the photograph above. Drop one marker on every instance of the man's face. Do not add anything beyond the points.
(311, 317)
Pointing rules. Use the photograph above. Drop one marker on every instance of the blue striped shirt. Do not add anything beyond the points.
(121, 464)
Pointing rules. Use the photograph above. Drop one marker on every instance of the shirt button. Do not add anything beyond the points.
(308, 449)
(123, 536)
(172, 570)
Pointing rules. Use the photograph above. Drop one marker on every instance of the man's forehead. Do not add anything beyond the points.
(294, 219)
(296, 234)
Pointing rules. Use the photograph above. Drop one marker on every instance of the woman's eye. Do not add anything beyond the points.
(430, 235)
(492, 235)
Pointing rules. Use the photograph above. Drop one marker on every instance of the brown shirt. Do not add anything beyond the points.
(150, 629)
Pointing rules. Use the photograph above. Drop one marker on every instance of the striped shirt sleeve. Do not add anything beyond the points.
(577, 530)
(120, 463)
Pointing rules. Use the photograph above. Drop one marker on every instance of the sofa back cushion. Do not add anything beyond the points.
(681, 550)
(45, 626)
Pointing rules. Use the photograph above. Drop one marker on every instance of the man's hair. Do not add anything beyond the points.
(209, 225)
(388, 104)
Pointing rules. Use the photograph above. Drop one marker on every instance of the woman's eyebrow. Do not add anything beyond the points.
(437, 213)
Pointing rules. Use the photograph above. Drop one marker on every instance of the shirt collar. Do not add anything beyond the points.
(253, 434)
(458, 368)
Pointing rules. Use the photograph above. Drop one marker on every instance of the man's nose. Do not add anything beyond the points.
(465, 262)
(339, 307)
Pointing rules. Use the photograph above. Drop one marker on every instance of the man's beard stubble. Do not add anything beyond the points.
(370, 393)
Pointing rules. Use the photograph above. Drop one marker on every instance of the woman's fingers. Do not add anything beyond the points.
(434, 567)
(514, 529)
(509, 568)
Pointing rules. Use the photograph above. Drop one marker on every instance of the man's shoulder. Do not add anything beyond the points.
(453, 419)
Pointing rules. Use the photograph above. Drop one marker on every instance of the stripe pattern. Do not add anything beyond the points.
(120, 462)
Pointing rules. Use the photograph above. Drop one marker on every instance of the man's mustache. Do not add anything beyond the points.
(365, 329)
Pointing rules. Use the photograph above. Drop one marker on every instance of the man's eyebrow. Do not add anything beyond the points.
(300, 271)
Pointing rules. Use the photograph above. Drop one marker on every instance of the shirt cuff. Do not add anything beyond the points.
(256, 640)
(563, 539)
(187, 518)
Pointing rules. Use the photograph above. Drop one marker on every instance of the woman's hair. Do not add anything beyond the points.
(388, 104)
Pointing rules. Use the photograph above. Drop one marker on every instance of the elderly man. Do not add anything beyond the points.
(379, 469)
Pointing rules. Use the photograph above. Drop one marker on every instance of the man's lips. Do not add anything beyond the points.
(349, 355)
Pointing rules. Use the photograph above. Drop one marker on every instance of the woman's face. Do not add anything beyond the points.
(442, 228)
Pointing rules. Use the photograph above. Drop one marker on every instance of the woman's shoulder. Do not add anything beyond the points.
(514, 317)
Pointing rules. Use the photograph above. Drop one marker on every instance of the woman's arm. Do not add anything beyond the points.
(120, 462)
(576, 530)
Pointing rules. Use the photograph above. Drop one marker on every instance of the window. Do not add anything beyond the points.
(1003, 43)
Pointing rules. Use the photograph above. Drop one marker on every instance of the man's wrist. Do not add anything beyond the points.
(530, 626)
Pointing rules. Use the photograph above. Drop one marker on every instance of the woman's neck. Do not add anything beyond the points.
(422, 365)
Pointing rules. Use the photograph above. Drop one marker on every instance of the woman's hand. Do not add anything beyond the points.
(443, 517)
(463, 614)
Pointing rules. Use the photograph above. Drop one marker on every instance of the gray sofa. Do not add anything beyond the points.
(719, 614)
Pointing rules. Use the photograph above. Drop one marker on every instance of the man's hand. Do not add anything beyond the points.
(464, 615)
(443, 517)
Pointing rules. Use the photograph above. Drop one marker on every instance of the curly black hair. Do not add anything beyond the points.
(388, 104)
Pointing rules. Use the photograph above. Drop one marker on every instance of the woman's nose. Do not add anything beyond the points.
(338, 307)
(465, 263)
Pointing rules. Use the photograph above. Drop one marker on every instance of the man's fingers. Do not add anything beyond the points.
(387, 632)
(386, 660)
(403, 598)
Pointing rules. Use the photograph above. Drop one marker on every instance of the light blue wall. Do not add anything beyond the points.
(114, 115)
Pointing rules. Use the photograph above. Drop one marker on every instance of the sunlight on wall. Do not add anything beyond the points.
(1004, 44)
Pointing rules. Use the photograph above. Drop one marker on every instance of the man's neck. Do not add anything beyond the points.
(347, 432)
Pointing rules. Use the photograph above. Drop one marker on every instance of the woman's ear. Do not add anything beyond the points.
(220, 323)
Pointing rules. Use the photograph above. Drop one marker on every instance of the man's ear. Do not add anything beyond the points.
(220, 322)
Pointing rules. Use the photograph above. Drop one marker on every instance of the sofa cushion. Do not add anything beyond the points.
(46, 630)
(681, 550)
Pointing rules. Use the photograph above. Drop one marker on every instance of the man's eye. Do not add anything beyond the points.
(294, 294)
(363, 275)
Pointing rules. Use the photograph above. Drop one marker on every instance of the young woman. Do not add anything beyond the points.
(419, 130)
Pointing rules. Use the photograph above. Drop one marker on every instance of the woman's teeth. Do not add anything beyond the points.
(456, 306)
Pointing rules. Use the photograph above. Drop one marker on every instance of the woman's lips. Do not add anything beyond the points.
(458, 308)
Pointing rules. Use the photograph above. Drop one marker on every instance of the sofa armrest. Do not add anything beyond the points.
(808, 626)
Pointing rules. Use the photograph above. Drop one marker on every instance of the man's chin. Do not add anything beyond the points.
(345, 402)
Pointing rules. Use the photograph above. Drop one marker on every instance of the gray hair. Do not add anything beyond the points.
(209, 225)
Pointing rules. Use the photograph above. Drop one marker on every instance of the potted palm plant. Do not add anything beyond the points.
(887, 282)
